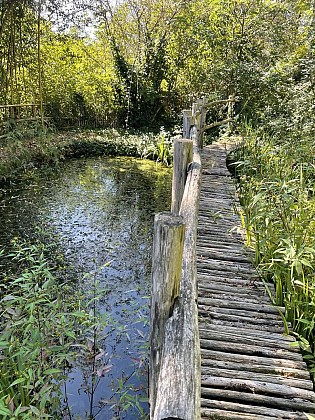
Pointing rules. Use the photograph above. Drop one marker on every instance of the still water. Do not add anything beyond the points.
(100, 211)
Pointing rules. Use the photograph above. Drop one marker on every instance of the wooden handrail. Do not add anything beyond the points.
(175, 350)
(175, 361)
(183, 156)
(18, 105)
(219, 102)
(217, 123)
(166, 273)
(194, 120)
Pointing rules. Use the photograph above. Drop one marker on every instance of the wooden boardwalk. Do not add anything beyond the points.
(249, 368)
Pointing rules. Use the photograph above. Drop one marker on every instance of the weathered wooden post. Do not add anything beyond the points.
(203, 113)
(196, 130)
(187, 123)
(183, 155)
(230, 113)
(168, 243)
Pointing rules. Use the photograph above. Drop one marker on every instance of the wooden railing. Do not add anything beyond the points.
(174, 342)
(19, 111)
(12, 115)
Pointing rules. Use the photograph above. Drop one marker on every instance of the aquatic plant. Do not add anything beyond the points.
(18, 155)
(39, 328)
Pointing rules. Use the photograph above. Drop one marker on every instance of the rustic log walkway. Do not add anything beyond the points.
(249, 368)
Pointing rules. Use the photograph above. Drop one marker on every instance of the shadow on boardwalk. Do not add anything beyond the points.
(250, 370)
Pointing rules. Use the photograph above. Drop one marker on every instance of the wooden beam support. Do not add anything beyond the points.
(217, 123)
(169, 233)
(179, 387)
(183, 156)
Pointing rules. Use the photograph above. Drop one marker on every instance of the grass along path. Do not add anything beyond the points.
(276, 187)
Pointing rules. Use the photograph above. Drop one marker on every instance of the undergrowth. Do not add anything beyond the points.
(38, 330)
(48, 328)
(19, 154)
(276, 185)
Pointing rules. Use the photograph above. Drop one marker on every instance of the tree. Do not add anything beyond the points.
(237, 47)
(138, 32)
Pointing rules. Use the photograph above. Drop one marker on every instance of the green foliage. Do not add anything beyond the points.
(47, 328)
(39, 329)
(277, 195)
(79, 79)
(139, 33)
(20, 155)
(163, 147)
(149, 59)
(121, 143)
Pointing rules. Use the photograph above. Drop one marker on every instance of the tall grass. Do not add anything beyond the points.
(276, 184)
(38, 329)
(49, 326)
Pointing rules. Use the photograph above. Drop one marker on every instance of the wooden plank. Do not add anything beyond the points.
(228, 266)
(249, 289)
(243, 332)
(236, 304)
(208, 270)
(248, 359)
(257, 367)
(249, 317)
(225, 244)
(267, 378)
(209, 334)
(292, 403)
(238, 291)
(252, 298)
(224, 248)
(267, 414)
(208, 276)
(234, 236)
(220, 414)
(253, 350)
(207, 254)
(225, 321)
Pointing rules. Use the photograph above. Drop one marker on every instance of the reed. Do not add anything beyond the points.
(276, 186)
(38, 330)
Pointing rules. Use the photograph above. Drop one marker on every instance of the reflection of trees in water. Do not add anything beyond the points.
(98, 206)
(103, 210)
(138, 182)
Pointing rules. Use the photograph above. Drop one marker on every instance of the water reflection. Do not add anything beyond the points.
(102, 210)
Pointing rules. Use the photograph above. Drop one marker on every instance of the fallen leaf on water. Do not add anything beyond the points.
(103, 370)
(100, 355)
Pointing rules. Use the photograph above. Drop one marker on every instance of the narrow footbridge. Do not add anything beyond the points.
(218, 348)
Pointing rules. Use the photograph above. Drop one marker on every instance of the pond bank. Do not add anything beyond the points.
(17, 155)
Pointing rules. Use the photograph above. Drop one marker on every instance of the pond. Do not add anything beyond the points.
(100, 211)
